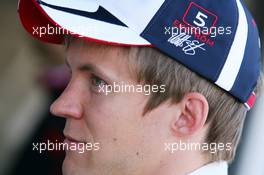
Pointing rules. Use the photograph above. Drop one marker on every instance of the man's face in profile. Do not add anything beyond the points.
(128, 142)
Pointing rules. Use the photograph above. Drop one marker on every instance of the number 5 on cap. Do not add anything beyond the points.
(197, 16)
(200, 17)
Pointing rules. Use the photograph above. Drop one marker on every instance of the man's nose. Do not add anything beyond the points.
(69, 104)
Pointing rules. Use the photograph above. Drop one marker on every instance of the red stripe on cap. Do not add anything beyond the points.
(251, 100)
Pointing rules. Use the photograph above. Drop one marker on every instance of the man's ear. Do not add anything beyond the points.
(193, 113)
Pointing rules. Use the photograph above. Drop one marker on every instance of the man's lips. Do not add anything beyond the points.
(72, 139)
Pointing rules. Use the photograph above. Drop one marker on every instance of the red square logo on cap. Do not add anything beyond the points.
(197, 16)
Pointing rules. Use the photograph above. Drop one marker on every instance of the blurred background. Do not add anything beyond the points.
(32, 75)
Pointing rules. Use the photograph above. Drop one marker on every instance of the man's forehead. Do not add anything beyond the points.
(86, 55)
(79, 42)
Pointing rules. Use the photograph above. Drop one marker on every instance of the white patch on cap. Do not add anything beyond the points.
(93, 28)
(83, 5)
(136, 14)
(235, 57)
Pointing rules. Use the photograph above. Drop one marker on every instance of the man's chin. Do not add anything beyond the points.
(76, 164)
(68, 167)
(72, 164)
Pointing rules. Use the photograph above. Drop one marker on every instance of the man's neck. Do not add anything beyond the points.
(181, 164)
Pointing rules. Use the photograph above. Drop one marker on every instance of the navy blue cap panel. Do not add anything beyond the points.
(250, 68)
(205, 55)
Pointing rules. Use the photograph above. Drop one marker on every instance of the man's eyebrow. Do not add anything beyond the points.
(96, 70)
(84, 67)
(89, 67)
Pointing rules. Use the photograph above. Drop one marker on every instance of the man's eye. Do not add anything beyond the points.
(98, 82)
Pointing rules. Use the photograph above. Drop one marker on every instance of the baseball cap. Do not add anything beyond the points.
(217, 39)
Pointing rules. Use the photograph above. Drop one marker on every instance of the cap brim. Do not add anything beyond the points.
(50, 21)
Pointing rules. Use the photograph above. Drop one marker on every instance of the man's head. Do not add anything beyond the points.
(132, 128)
(189, 120)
